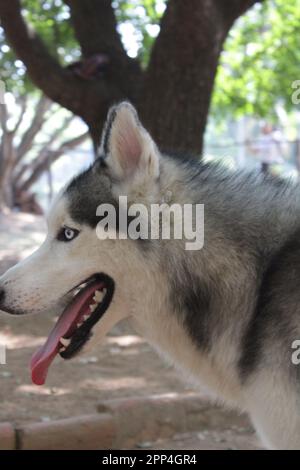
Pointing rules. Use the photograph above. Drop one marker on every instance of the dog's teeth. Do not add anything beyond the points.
(62, 349)
(85, 317)
(65, 342)
(98, 296)
(79, 324)
(93, 307)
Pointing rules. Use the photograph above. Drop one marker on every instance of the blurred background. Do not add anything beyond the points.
(213, 79)
(218, 84)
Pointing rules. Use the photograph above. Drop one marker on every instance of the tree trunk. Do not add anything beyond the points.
(176, 92)
(6, 194)
(172, 95)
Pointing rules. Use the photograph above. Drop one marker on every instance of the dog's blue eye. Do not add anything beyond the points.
(67, 234)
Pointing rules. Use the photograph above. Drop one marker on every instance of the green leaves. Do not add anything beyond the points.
(51, 20)
(260, 61)
(144, 17)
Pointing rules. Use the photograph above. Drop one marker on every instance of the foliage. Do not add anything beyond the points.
(144, 18)
(260, 61)
(51, 20)
(258, 66)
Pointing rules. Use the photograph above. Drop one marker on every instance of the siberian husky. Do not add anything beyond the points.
(227, 315)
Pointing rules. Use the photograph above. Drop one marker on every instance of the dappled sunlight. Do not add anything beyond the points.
(13, 341)
(126, 340)
(34, 390)
(114, 384)
(128, 345)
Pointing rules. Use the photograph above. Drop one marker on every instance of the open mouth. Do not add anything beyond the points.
(74, 327)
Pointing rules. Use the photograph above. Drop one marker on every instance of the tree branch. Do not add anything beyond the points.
(42, 107)
(23, 106)
(233, 9)
(7, 156)
(57, 133)
(46, 159)
(21, 169)
(89, 99)
(57, 83)
(95, 27)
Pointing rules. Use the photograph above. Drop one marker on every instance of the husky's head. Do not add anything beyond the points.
(90, 283)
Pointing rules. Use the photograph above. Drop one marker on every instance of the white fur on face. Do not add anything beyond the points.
(41, 282)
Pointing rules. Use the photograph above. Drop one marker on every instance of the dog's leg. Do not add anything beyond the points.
(274, 408)
(277, 433)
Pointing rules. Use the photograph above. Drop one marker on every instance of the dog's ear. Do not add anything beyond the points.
(128, 148)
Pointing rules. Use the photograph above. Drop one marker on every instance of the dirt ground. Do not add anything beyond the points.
(125, 365)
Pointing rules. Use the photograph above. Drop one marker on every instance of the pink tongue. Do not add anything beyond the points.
(65, 326)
